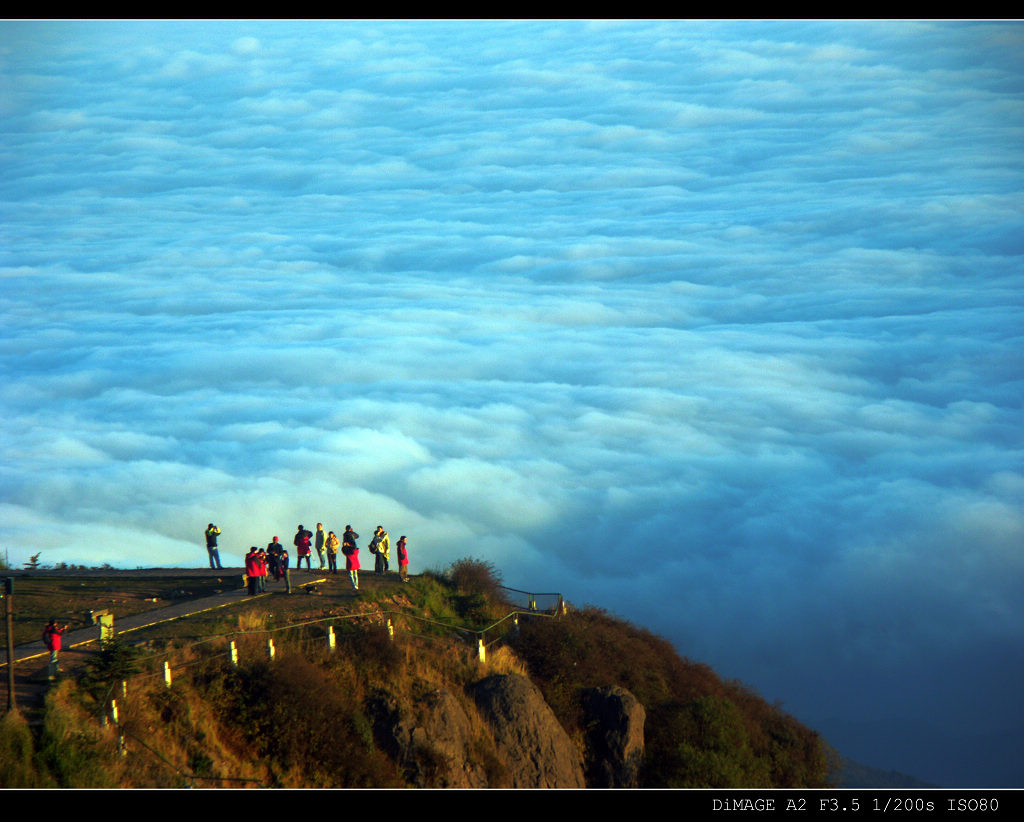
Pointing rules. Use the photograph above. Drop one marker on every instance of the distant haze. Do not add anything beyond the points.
(715, 325)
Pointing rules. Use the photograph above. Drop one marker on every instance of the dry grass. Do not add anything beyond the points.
(176, 737)
(253, 621)
(503, 660)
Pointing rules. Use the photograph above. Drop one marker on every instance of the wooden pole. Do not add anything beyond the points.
(9, 622)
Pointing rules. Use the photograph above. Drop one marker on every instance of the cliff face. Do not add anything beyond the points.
(527, 734)
(615, 737)
(432, 744)
(435, 743)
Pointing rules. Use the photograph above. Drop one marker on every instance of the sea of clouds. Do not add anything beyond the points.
(715, 325)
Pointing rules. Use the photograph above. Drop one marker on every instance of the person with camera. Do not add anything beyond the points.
(52, 634)
(212, 531)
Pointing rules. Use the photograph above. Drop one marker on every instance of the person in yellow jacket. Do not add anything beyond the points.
(331, 544)
(380, 546)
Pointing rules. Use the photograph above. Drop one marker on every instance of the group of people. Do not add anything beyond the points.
(274, 559)
(262, 562)
(380, 547)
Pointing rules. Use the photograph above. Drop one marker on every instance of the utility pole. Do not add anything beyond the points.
(9, 622)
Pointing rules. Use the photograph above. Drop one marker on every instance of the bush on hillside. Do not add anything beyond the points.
(115, 662)
(475, 576)
(700, 731)
(308, 719)
(590, 648)
(479, 596)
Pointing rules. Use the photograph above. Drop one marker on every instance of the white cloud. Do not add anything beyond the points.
(714, 324)
(246, 45)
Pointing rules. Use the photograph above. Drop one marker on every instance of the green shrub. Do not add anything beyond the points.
(703, 744)
(115, 662)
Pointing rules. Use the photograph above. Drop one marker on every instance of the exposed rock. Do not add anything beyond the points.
(534, 746)
(615, 741)
(432, 742)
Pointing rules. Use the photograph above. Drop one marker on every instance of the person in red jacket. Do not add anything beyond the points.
(351, 552)
(52, 634)
(302, 551)
(261, 566)
(252, 570)
(403, 560)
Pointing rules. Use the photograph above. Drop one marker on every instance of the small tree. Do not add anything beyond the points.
(478, 595)
(33, 562)
(475, 576)
(115, 661)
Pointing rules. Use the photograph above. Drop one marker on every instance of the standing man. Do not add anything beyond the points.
(52, 634)
(382, 543)
(212, 531)
(320, 543)
(332, 551)
(301, 542)
(274, 549)
(282, 563)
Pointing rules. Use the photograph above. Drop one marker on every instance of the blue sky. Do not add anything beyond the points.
(716, 325)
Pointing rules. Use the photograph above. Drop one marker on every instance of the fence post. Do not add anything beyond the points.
(167, 673)
(533, 603)
(113, 711)
(330, 638)
(391, 631)
(234, 654)
(481, 652)
(270, 647)
(562, 610)
(124, 688)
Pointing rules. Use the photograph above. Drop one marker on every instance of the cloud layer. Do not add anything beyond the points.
(714, 325)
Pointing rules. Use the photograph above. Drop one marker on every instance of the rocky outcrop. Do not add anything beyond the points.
(533, 745)
(432, 742)
(435, 744)
(615, 741)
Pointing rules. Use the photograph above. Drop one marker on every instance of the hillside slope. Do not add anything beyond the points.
(402, 699)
